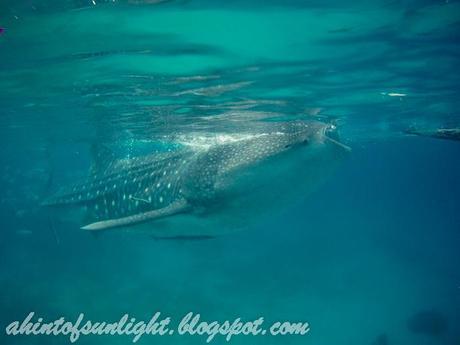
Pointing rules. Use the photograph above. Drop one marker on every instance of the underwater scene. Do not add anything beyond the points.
(241, 172)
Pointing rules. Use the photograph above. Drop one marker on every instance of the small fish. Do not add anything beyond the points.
(396, 94)
(393, 94)
(24, 232)
(440, 133)
(184, 238)
(20, 213)
(2, 30)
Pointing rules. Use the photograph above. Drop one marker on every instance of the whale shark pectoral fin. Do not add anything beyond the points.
(173, 208)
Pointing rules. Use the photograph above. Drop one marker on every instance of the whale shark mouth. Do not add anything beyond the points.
(331, 134)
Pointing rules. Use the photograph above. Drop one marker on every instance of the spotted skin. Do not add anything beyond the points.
(128, 187)
(195, 181)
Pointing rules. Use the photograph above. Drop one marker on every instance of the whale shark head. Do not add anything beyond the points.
(272, 140)
(278, 159)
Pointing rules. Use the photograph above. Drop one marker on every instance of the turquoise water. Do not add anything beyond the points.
(365, 253)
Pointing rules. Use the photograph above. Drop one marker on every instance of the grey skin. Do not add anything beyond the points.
(209, 191)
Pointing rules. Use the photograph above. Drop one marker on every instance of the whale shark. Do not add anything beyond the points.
(207, 187)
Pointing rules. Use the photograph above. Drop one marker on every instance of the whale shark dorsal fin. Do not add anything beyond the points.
(102, 157)
(174, 208)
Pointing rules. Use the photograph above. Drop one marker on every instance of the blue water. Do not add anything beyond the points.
(371, 248)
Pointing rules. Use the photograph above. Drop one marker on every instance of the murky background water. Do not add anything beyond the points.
(372, 250)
